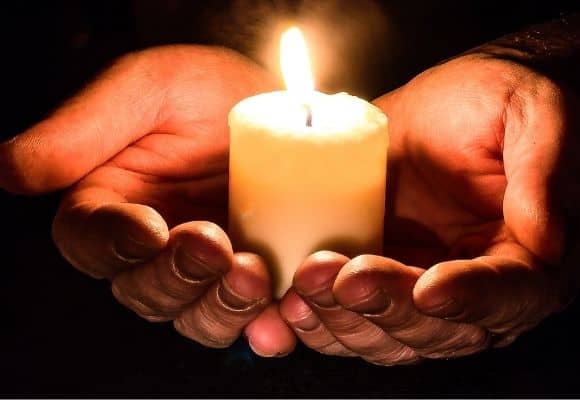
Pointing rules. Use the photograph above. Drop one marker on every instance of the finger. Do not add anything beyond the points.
(115, 110)
(314, 280)
(381, 289)
(101, 234)
(308, 327)
(197, 255)
(269, 336)
(142, 92)
(494, 292)
(533, 147)
(219, 317)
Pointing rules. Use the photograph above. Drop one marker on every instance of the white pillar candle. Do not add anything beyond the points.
(298, 185)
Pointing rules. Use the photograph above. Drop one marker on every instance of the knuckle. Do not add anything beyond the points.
(398, 356)
(452, 353)
(468, 341)
(361, 262)
(153, 318)
(335, 349)
(369, 341)
(139, 306)
(165, 304)
(68, 246)
(477, 338)
(504, 325)
(121, 296)
(200, 334)
(399, 321)
(345, 324)
(135, 306)
(505, 340)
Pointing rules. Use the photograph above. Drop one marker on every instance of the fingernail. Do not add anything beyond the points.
(131, 250)
(323, 299)
(234, 301)
(190, 267)
(447, 308)
(375, 303)
(306, 323)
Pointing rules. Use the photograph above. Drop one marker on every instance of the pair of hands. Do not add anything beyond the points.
(481, 184)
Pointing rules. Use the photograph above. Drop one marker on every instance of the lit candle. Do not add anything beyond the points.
(307, 171)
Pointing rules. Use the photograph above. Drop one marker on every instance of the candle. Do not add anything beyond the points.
(307, 171)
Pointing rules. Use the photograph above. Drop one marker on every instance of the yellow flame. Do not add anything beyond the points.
(295, 63)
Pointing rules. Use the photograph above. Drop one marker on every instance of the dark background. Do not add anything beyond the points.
(63, 334)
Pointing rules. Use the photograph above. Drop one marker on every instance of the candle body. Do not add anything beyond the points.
(295, 189)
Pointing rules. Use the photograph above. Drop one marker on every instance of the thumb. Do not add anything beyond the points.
(536, 132)
(115, 110)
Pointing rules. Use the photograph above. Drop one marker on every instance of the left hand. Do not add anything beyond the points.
(480, 184)
(145, 148)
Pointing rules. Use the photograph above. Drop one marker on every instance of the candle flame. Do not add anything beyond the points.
(295, 63)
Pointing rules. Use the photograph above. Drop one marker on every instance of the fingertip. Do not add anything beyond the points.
(12, 167)
(148, 223)
(369, 279)
(443, 289)
(139, 232)
(249, 277)
(293, 308)
(318, 271)
(208, 230)
(269, 336)
(205, 243)
(33, 162)
(356, 280)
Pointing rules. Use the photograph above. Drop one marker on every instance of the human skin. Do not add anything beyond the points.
(481, 189)
(483, 193)
(144, 149)
(482, 185)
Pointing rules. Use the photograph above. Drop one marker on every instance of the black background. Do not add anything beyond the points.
(63, 334)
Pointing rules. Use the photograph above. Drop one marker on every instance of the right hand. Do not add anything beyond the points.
(146, 147)
(483, 195)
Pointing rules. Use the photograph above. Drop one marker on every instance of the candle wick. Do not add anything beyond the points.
(308, 115)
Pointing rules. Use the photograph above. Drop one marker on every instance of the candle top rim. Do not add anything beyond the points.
(337, 116)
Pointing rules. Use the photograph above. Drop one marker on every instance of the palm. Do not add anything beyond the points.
(180, 167)
(475, 152)
(176, 173)
(447, 179)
